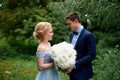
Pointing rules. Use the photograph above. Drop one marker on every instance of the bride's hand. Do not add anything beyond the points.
(70, 69)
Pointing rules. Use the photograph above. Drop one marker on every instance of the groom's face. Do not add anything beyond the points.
(71, 24)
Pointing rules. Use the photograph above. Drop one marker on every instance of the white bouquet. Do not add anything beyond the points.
(63, 55)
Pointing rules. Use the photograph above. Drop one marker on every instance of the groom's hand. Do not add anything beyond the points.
(70, 69)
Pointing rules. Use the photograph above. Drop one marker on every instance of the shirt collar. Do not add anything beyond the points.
(80, 29)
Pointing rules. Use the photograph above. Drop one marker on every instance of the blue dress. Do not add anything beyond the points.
(48, 74)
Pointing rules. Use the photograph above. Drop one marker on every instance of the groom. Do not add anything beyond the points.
(84, 43)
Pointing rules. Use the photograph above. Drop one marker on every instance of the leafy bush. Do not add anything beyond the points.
(107, 64)
(108, 40)
(5, 49)
(20, 26)
(57, 14)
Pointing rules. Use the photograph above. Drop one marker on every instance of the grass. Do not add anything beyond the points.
(17, 70)
(20, 69)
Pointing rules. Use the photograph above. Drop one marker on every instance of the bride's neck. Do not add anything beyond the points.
(45, 42)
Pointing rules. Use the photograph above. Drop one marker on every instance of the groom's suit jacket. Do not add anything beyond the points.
(86, 51)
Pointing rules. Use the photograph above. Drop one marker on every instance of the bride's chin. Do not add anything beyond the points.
(50, 39)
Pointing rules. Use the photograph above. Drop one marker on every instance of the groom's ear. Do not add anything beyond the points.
(76, 21)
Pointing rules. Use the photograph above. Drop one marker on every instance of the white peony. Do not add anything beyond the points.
(63, 55)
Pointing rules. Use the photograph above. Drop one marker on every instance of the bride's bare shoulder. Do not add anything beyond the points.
(40, 48)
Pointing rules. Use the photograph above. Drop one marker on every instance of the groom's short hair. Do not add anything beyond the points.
(72, 16)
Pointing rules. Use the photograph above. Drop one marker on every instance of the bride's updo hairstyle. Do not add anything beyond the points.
(40, 30)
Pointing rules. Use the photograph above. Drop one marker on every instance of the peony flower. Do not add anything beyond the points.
(63, 55)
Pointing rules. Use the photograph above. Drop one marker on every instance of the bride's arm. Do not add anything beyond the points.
(42, 65)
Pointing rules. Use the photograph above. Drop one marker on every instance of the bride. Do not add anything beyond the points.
(46, 67)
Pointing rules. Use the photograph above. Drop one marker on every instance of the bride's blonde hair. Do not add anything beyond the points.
(40, 30)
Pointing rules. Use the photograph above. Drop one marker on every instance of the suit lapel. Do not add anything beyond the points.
(71, 37)
(80, 37)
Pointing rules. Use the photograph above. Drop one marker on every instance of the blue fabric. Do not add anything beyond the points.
(48, 74)
(86, 52)
(75, 37)
(41, 54)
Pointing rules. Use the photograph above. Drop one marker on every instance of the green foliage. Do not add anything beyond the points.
(5, 49)
(57, 18)
(109, 40)
(107, 64)
(101, 15)
(18, 23)
(20, 27)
